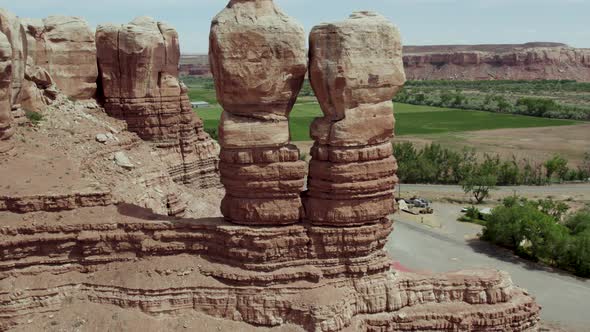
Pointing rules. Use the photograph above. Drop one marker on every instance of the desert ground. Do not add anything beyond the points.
(536, 144)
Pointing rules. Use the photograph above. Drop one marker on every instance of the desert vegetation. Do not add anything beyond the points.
(434, 164)
(550, 99)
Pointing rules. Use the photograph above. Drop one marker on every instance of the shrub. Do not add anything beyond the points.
(213, 133)
(34, 117)
(556, 166)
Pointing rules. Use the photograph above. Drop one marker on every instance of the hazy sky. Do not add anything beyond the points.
(421, 21)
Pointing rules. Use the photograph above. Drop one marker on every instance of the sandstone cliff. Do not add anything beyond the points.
(531, 61)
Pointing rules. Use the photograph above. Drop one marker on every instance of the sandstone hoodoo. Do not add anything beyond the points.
(64, 46)
(355, 70)
(258, 60)
(139, 77)
(14, 32)
(6, 130)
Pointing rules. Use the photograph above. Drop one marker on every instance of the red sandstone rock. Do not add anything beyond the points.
(530, 61)
(355, 70)
(6, 130)
(11, 27)
(65, 47)
(139, 75)
(257, 56)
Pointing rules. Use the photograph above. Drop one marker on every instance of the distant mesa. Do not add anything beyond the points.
(529, 61)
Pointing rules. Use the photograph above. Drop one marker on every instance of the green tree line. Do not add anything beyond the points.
(539, 231)
(434, 164)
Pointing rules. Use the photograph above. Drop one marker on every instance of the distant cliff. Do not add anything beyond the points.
(531, 61)
(194, 65)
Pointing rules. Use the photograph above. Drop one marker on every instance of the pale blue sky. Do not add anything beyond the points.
(421, 21)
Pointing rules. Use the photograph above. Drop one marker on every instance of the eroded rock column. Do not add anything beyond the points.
(139, 75)
(6, 130)
(258, 60)
(355, 70)
(11, 27)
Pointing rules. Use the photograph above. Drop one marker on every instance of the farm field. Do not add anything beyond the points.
(508, 135)
(410, 120)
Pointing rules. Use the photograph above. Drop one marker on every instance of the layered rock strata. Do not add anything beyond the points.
(64, 46)
(531, 61)
(6, 130)
(139, 77)
(257, 56)
(355, 70)
(318, 278)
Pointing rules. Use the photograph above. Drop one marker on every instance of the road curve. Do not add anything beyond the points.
(565, 299)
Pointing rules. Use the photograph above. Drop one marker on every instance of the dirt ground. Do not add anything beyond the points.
(535, 144)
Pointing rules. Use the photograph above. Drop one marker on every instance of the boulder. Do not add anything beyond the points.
(258, 61)
(64, 46)
(354, 62)
(38, 89)
(355, 70)
(139, 78)
(257, 55)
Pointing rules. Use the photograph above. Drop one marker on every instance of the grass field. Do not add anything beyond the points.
(410, 120)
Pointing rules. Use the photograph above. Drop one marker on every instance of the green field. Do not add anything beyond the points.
(410, 120)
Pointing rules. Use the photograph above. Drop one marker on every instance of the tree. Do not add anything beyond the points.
(479, 185)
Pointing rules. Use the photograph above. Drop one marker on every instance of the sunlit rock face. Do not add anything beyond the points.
(64, 46)
(258, 60)
(355, 71)
(6, 130)
(11, 27)
(139, 77)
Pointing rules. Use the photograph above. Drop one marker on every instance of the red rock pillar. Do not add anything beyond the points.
(356, 69)
(258, 61)
(139, 77)
(6, 130)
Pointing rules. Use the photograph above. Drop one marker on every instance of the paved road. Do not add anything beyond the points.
(565, 299)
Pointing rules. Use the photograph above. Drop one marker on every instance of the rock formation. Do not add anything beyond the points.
(64, 46)
(139, 77)
(532, 61)
(11, 27)
(102, 226)
(257, 56)
(355, 70)
(6, 130)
